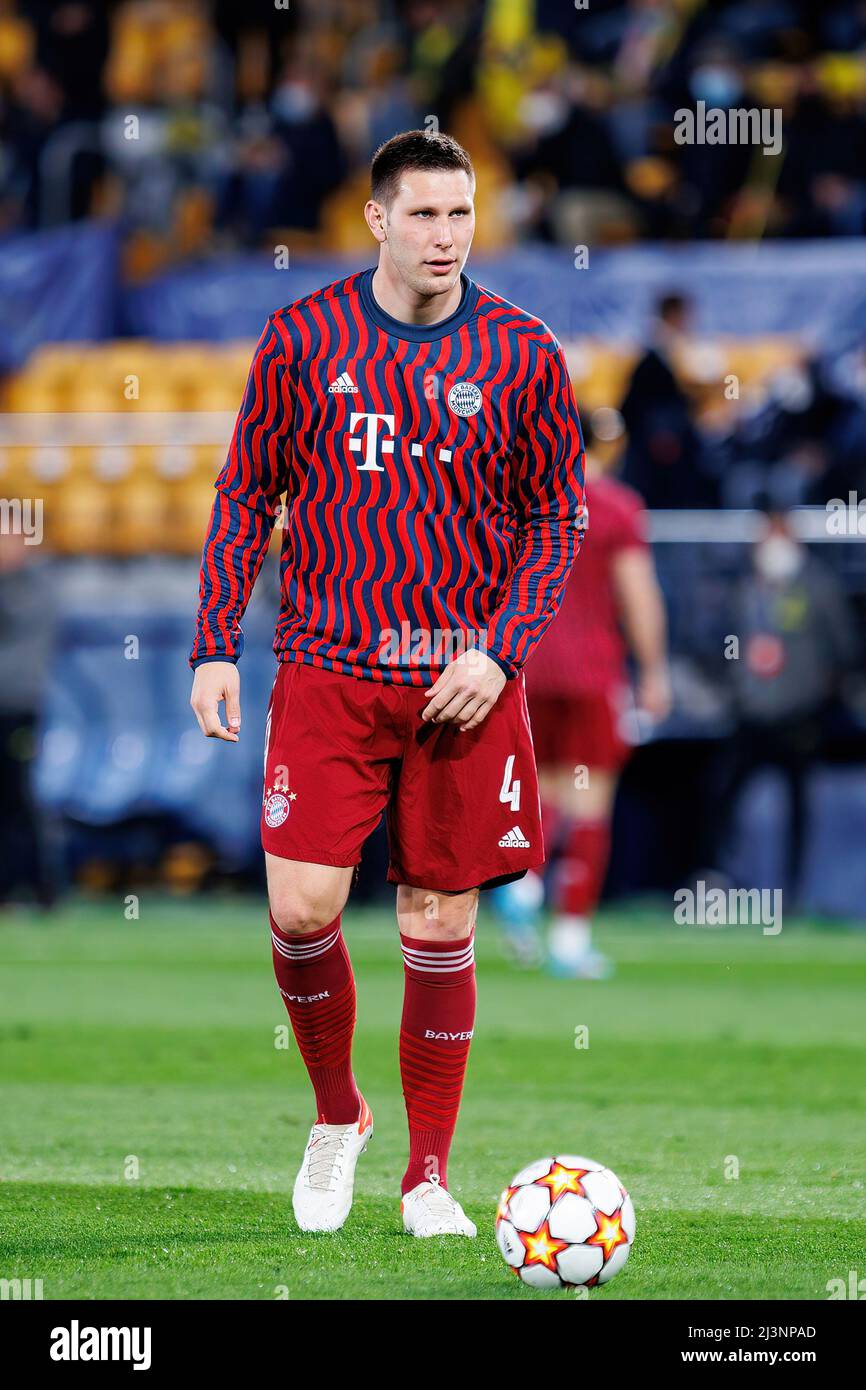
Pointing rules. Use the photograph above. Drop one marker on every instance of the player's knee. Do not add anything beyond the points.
(438, 916)
(296, 914)
(457, 929)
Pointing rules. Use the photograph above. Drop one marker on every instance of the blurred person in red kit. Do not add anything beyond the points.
(581, 709)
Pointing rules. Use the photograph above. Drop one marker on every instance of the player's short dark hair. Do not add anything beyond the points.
(414, 149)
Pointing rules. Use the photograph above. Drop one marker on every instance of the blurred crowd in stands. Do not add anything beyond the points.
(206, 125)
(800, 440)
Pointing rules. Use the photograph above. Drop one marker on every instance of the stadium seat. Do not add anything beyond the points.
(188, 506)
(166, 499)
(598, 373)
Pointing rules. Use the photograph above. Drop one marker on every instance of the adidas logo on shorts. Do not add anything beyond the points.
(343, 386)
(514, 839)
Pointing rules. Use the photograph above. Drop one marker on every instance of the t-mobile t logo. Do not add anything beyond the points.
(368, 442)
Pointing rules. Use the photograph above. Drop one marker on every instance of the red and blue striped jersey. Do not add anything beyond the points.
(433, 483)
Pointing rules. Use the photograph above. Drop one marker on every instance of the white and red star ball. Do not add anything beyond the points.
(565, 1222)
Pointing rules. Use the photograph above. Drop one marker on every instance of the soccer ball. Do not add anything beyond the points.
(565, 1222)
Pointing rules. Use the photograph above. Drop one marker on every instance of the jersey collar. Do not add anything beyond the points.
(418, 332)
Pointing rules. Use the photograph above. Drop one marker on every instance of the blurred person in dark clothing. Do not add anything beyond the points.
(567, 152)
(805, 443)
(572, 143)
(710, 175)
(72, 45)
(662, 460)
(59, 93)
(822, 181)
(843, 383)
(315, 164)
(287, 160)
(26, 598)
(796, 642)
(29, 117)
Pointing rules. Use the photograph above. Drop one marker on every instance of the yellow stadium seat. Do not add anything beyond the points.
(188, 508)
(15, 477)
(208, 460)
(599, 374)
(80, 518)
(95, 391)
(238, 357)
(28, 393)
(754, 361)
(138, 515)
(139, 498)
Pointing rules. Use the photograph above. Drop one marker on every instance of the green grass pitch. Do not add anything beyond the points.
(152, 1128)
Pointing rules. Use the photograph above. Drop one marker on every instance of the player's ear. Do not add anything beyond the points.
(374, 214)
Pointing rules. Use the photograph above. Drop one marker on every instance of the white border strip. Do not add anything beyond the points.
(120, 428)
(735, 527)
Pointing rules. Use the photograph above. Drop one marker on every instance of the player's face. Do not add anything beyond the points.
(429, 228)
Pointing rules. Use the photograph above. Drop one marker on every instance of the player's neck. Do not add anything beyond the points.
(408, 306)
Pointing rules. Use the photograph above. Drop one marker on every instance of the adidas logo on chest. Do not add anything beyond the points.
(343, 386)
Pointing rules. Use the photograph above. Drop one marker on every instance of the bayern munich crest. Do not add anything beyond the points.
(276, 809)
(464, 399)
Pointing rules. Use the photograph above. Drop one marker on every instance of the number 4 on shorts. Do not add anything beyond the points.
(510, 791)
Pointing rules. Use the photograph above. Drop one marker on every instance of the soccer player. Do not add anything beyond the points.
(579, 703)
(425, 436)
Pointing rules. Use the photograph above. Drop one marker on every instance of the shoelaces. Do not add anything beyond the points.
(323, 1165)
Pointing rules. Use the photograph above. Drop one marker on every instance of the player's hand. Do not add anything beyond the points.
(466, 691)
(213, 682)
(654, 693)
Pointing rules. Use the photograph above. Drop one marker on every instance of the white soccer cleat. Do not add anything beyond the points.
(430, 1210)
(571, 955)
(322, 1196)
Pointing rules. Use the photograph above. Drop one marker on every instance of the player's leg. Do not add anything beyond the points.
(585, 805)
(466, 812)
(326, 784)
(437, 939)
(578, 780)
(314, 975)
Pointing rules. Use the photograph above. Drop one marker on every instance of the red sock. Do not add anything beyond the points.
(315, 977)
(582, 867)
(438, 1014)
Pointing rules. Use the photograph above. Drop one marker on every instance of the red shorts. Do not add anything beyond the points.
(462, 808)
(582, 730)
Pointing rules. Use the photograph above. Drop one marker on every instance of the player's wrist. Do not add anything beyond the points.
(206, 660)
(510, 671)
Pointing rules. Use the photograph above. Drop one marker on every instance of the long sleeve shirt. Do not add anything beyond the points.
(428, 482)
